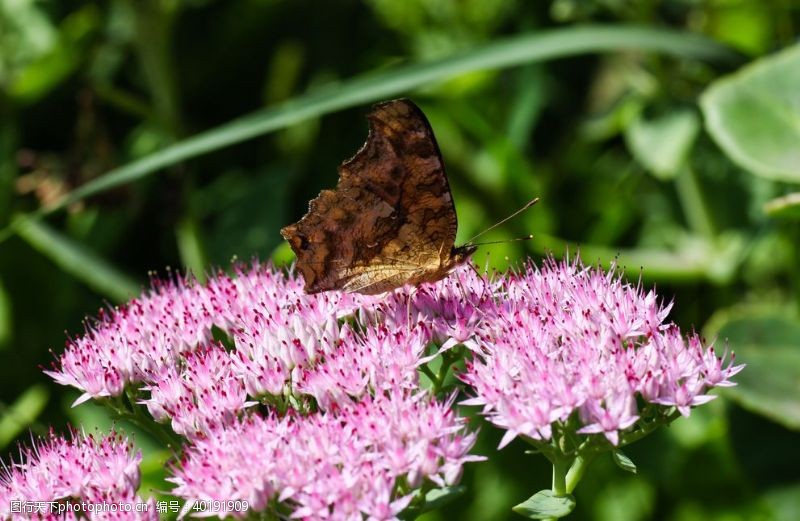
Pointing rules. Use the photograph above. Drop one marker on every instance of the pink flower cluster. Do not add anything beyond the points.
(85, 472)
(571, 339)
(275, 326)
(342, 464)
(347, 423)
(339, 380)
(200, 393)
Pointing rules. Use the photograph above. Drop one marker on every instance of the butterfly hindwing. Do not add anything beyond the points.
(391, 218)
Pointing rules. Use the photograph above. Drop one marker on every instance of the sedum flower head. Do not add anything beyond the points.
(572, 341)
(342, 464)
(312, 407)
(75, 469)
(343, 427)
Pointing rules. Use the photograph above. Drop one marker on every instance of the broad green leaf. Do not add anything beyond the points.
(441, 496)
(623, 461)
(434, 499)
(24, 411)
(770, 346)
(787, 206)
(50, 69)
(524, 48)
(693, 257)
(546, 505)
(754, 116)
(662, 145)
(74, 258)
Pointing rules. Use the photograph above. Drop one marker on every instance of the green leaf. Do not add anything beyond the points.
(43, 74)
(439, 497)
(662, 145)
(787, 206)
(754, 115)
(623, 461)
(434, 499)
(692, 258)
(770, 346)
(524, 48)
(22, 413)
(546, 505)
(75, 259)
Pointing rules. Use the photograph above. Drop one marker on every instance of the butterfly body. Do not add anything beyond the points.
(391, 219)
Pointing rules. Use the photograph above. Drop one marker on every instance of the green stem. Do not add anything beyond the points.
(430, 374)
(190, 244)
(447, 361)
(168, 439)
(560, 469)
(647, 428)
(692, 201)
(577, 470)
(124, 409)
(123, 101)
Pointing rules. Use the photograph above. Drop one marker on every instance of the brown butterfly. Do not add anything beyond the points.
(391, 219)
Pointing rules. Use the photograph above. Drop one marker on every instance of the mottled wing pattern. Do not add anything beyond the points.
(390, 219)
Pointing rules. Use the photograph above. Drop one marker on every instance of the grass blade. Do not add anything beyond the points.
(517, 50)
(18, 416)
(75, 259)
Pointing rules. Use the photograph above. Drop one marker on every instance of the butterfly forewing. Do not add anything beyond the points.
(391, 218)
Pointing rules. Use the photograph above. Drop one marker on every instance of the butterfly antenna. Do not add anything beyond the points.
(495, 225)
(525, 238)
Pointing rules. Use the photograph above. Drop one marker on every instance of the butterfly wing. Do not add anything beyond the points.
(390, 218)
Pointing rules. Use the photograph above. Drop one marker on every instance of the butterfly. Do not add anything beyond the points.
(390, 221)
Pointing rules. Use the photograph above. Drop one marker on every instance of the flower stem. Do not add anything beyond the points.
(560, 468)
(577, 470)
(427, 372)
(694, 207)
(125, 409)
(447, 361)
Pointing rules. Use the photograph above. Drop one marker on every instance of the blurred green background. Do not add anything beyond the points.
(141, 134)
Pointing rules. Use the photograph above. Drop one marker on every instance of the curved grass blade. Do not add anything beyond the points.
(18, 416)
(517, 50)
(74, 258)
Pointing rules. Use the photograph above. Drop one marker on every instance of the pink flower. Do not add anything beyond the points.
(197, 394)
(352, 425)
(340, 464)
(576, 340)
(78, 470)
(376, 360)
(453, 310)
(347, 433)
(127, 342)
(276, 328)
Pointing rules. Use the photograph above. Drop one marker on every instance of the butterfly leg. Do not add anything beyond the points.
(480, 276)
(408, 306)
